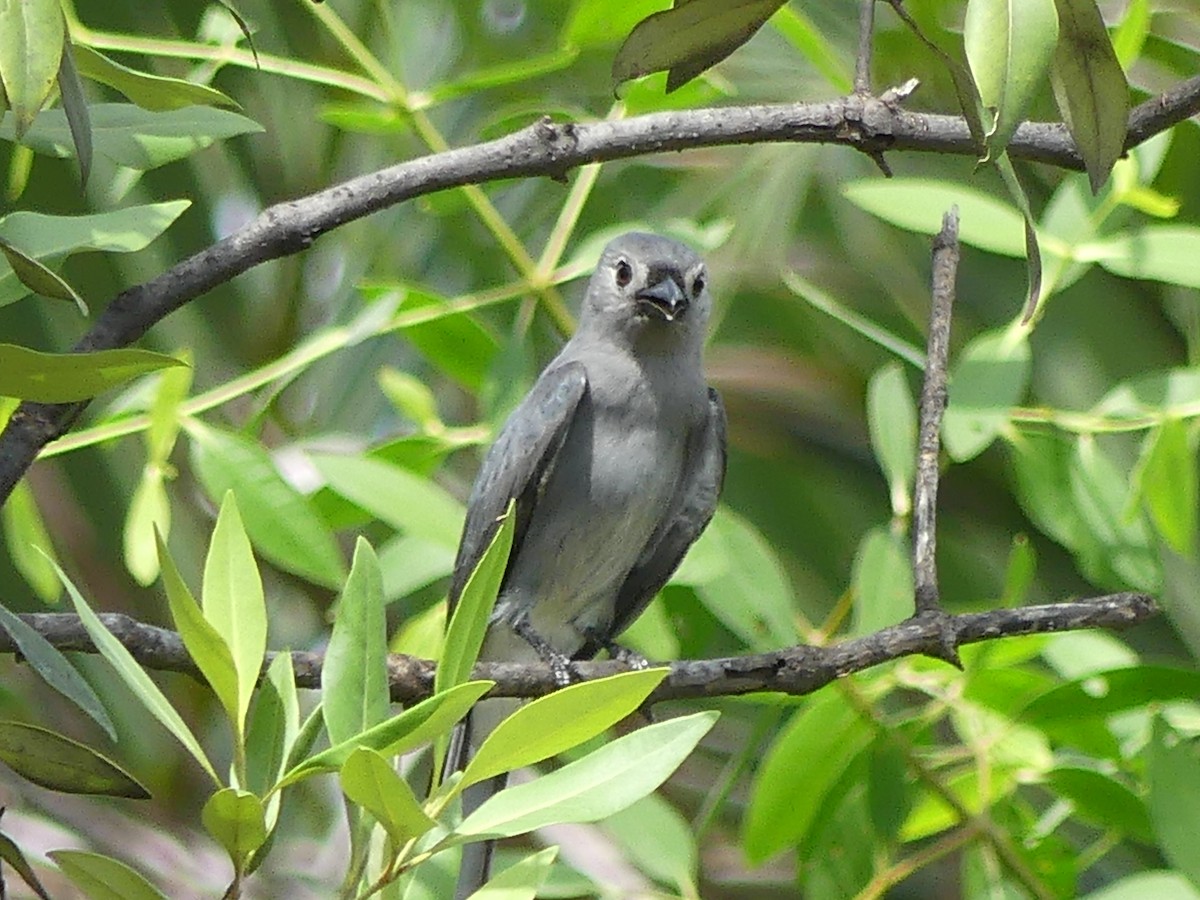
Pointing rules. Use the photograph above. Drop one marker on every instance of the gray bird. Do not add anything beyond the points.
(615, 458)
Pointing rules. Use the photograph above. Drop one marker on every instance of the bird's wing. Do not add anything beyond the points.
(517, 465)
(691, 508)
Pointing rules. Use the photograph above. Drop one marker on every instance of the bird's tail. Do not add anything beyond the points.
(477, 857)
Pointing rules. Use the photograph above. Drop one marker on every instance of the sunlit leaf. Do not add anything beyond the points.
(24, 530)
(370, 781)
(104, 878)
(31, 45)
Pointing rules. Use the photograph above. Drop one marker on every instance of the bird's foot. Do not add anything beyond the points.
(559, 663)
(596, 640)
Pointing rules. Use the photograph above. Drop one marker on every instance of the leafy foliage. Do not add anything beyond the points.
(336, 402)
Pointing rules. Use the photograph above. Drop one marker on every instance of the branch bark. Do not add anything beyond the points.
(543, 149)
(795, 670)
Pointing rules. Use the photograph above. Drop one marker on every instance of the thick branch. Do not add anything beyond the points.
(865, 123)
(795, 670)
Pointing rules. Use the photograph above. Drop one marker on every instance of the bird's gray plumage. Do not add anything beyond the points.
(615, 459)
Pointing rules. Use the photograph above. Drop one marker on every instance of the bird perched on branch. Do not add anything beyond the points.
(615, 459)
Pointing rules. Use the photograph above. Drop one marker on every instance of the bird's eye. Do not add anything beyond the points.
(624, 273)
(698, 286)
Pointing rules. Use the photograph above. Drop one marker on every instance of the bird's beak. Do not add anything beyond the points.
(665, 299)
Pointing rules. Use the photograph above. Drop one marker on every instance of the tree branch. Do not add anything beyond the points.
(545, 148)
(795, 670)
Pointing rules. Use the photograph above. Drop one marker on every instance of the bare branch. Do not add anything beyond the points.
(795, 670)
(862, 60)
(933, 406)
(543, 149)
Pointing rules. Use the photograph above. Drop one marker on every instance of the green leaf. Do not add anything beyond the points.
(1103, 694)
(1140, 886)
(11, 854)
(918, 204)
(31, 43)
(25, 530)
(237, 821)
(1132, 32)
(173, 387)
(520, 881)
(740, 580)
(989, 379)
(55, 669)
(892, 421)
(1009, 45)
(1168, 253)
(559, 721)
(1173, 772)
(204, 643)
(598, 22)
(280, 521)
(103, 878)
(1117, 549)
(66, 377)
(1033, 253)
(415, 726)
(469, 619)
(61, 764)
(133, 675)
(272, 732)
(689, 38)
(656, 838)
(882, 580)
(152, 92)
(1102, 800)
(1167, 483)
(133, 137)
(38, 278)
(46, 237)
(598, 785)
(75, 106)
(149, 513)
(1171, 393)
(233, 601)
(411, 563)
(803, 34)
(354, 678)
(394, 495)
(785, 798)
(1019, 573)
(1089, 87)
(370, 781)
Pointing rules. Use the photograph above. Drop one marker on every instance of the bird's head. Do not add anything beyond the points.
(646, 284)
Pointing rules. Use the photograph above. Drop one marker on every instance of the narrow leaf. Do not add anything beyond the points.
(104, 878)
(31, 43)
(11, 854)
(559, 721)
(892, 422)
(25, 530)
(38, 278)
(149, 513)
(133, 675)
(468, 623)
(280, 521)
(75, 106)
(1033, 253)
(598, 785)
(56, 670)
(689, 38)
(1090, 88)
(369, 780)
(61, 764)
(233, 601)
(354, 678)
(204, 643)
(520, 881)
(988, 380)
(67, 377)
(1167, 480)
(1173, 772)
(153, 92)
(415, 726)
(1009, 46)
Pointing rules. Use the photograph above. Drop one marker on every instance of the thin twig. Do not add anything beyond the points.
(866, 33)
(933, 406)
